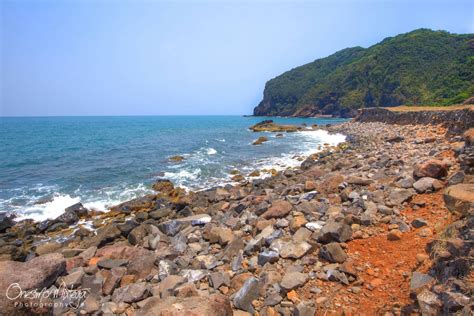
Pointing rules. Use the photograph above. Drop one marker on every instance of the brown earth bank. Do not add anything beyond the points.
(456, 119)
(379, 225)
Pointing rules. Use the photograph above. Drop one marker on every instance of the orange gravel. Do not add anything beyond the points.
(383, 267)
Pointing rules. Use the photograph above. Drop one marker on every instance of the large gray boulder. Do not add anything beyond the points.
(38, 273)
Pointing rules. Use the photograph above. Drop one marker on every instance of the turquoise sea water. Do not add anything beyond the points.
(49, 163)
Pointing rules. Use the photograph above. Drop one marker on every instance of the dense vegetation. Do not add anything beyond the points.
(423, 67)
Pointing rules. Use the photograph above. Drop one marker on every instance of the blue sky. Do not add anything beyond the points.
(183, 57)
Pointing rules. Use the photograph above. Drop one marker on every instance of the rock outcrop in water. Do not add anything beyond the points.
(348, 232)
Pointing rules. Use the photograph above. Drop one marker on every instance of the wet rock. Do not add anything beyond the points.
(293, 280)
(432, 168)
(78, 209)
(459, 198)
(135, 205)
(427, 184)
(333, 252)
(335, 231)
(68, 218)
(279, 208)
(131, 293)
(260, 140)
(215, 304)
(6, 221)
(246, 294)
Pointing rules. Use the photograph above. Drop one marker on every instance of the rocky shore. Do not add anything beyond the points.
(381, 224)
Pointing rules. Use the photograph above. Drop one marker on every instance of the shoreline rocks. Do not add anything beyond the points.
(273, 246)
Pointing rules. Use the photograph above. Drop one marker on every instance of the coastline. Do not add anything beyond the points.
(284, 243)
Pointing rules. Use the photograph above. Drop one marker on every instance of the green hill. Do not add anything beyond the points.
(423, 67)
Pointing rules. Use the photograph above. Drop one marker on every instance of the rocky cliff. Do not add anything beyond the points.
(422, 67)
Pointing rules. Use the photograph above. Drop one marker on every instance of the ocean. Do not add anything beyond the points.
(49, 163)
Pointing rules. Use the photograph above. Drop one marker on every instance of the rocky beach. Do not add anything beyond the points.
(381, 224)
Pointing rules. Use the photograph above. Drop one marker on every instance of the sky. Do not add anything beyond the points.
(105, 57)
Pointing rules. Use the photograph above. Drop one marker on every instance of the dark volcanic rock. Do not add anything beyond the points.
(334, 231)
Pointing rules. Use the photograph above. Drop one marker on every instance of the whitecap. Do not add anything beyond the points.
(211, 151)
(48, 210)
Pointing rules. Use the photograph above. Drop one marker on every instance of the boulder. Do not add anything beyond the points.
(68, 218)
(333, 252)
(427, 184)
(215, 304)
(246, 294)
(38, 273)
(135, 205)
(398, 196)
(47, 247)
(335, 231)
(420, 281)
(131, 293)
(432, 168)
(6, 221)
(293, 280)
(78, 209)
(104, 235)
(429, 303)
(279, 208)
(290, 248)
(459, 198)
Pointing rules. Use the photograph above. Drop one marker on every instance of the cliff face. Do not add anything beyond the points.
(421, 67)
(456, 121)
